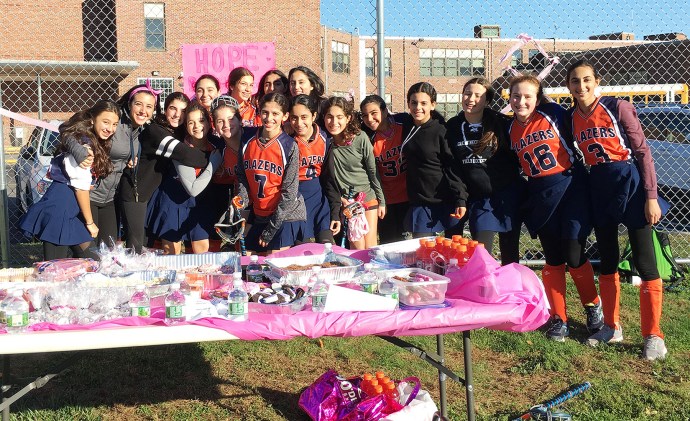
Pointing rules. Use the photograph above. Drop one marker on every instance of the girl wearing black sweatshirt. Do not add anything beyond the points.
(477, 137)
(437, 195)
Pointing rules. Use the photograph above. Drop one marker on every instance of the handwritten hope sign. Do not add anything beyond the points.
(219, 59)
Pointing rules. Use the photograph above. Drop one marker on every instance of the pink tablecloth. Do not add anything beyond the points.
(482, 295)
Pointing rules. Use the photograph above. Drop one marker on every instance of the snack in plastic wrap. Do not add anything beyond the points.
(63, 269)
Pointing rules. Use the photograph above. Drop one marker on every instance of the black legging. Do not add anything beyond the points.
(508, 244)
(642, 247)
(134, 218)
(105, 218)
(558, 251)
(53, 251)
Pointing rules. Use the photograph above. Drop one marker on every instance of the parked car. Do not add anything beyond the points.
(32, 165)
(667, 128)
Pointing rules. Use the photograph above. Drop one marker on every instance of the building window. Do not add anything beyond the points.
(448, 105)
(165, 84)
(370, 62)
(446, 62)
(387, 98)
(154, 21)
(340, 57)
(516, 59)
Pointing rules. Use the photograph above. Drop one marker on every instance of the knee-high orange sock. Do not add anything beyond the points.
(583, 277)
(610, 290)
(554, 285)
(651, 297)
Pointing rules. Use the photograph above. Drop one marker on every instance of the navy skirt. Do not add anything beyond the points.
(173, 215)
(56, 218)
(318, 210)
(499, 212)
(559, 203)
(618, 196)
(430, 219)
(286, 236)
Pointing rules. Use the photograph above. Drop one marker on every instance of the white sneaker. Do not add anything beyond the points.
(654, 348)
(606, 335)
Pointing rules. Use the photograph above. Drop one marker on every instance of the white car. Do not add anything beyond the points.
(32, 165)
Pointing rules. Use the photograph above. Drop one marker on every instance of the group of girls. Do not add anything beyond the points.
(289, 156)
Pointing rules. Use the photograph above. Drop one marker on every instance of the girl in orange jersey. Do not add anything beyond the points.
(350, 165)
(623, 190)
(387, 140)
(557, 200)
(268, 179)
(226, 119)
(240, 87)
(313, 144)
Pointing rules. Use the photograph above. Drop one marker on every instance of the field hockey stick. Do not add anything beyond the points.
(350, 196)
(540, 410)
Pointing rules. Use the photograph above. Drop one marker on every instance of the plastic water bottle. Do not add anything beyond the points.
(452, 266)
(174, 305)
(380, 260)
(254, 272)
(368, 280)
(238, 300)
(16, 312)
(328, 252)
(140, 304)
(389, 289)
(315, 275)
(319, 292)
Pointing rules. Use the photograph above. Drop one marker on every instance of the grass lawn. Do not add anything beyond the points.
(262, 380)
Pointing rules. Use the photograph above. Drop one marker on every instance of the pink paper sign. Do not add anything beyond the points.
(219, 59)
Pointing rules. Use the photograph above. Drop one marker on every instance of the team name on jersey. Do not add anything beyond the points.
(306, 161)
(595, 133)
(388, 154)
(263, 165)
(532, 138)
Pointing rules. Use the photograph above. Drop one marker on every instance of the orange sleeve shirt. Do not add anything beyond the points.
(264, 166)
(390, 164)
(249, 115)
(540, 146)
(599, 134)
(228, 173)
(312, 155)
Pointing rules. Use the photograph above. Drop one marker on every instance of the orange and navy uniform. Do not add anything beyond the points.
(228, 173)
(390, 163)
(312, 154)
(540, 143)
(249, 115)
(264, 166)
(599, 134)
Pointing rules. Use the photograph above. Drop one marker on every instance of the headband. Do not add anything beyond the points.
(146, 88)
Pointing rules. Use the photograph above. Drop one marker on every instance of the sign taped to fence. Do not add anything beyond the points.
(219, 59)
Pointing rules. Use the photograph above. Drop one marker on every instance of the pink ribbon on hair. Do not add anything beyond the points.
(147, 87)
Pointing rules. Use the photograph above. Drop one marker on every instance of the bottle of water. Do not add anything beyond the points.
(174, 305)
(389, 289)
(254, 272)
(314, 277)
(185, 288)
(328, 252)
(452, 267)
(238, 300)
(368, 280)
(140, 304)
(319, 292)
(16, 311)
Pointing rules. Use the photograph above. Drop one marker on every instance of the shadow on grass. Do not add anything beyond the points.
(125, 376)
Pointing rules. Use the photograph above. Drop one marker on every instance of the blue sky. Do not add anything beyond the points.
(540, 19)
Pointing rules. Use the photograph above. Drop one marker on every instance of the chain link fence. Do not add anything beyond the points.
(88, 50)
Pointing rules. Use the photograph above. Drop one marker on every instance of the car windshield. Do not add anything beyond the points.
(50, 142)
(671, 126)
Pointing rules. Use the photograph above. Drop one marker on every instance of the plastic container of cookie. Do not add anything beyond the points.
(402, 253)
(297, 270)
(418, 287)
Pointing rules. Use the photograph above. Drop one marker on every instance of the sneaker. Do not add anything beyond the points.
(558, 330)
(654, 348)
(606, 335)
(595, 317)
